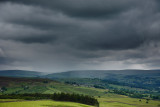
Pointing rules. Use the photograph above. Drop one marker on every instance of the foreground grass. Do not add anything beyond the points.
(42, 103)
(109, 100)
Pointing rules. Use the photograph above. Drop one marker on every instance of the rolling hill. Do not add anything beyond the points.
(145, 79)
(46, 86)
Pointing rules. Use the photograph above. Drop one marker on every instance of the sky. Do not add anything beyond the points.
(62, 35)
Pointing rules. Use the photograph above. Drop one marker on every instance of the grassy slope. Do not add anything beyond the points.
(114, 100)
(108, 100)
(52, 87)
(42, 103)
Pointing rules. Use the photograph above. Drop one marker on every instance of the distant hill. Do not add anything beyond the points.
(102, 73)
(19, 73)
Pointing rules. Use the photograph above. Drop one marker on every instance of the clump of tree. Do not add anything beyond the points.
(3, 89)
(127, 93)
(75, 98)
(147, 100)
(99, 86)
(84, 99)
(155, 97)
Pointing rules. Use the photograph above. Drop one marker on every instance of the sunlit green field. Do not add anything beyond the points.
(42, 103)
(109, 100)
(114, 100)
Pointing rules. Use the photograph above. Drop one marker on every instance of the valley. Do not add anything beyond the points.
(108, 92)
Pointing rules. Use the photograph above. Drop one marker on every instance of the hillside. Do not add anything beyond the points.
(30, 85)
(148, 80)
(43, 103)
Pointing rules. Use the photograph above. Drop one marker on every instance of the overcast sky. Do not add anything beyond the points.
(61, 35)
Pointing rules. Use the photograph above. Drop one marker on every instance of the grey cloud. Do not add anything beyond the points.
(4, 59)
(83, 8)
(73, 33)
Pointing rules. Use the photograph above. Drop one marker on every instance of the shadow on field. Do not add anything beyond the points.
(120, 102)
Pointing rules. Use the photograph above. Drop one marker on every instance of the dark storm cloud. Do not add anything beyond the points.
(83, 8)
(36, 40)
(118, 38)
(100, 39)
(78, 33)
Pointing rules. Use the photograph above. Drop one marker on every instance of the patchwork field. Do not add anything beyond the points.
(20, 86)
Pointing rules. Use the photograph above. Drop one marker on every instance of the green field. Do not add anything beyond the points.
(114, 100)
(109, 100)
(42, 103)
